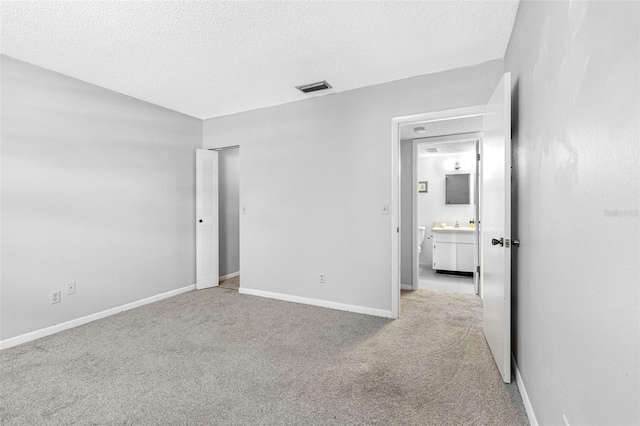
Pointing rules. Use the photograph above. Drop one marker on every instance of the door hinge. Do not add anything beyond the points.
(398, 229)
(478, 269)
(478, 157)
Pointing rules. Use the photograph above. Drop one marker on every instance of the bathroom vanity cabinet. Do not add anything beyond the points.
(453, 249)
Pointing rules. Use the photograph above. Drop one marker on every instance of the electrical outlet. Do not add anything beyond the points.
(71, 287)
(384, 209)
(55, 297)
(322, 278)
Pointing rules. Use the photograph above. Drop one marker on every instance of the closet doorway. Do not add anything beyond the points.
(229, 216)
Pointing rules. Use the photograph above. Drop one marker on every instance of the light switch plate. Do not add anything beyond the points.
(71, 287)
(385, 209)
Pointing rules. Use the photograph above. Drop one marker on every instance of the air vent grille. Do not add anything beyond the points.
(314, 87)
(432, 149)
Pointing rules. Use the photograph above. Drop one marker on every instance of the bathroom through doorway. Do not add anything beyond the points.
(440, 200)
(445, 213)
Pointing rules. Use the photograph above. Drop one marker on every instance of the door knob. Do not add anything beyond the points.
(200, 220)
(495, 242)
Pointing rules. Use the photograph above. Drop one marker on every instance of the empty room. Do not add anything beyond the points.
(320, 212)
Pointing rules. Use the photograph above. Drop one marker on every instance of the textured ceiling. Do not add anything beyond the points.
(208, 59)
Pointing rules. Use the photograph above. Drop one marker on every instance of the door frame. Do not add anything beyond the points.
(441, 140)
(396, 122)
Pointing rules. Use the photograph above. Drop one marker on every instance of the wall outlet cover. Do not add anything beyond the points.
(71, 287)
(54, 297)
(322, 278)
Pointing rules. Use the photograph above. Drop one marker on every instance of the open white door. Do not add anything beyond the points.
(496, 225)
(206, 219)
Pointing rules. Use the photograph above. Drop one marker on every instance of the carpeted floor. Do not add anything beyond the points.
(217, 357)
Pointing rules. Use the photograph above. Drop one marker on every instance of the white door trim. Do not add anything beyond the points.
(415, 257)
(396, 122)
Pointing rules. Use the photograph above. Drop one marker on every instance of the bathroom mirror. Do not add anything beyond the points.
(457, 189)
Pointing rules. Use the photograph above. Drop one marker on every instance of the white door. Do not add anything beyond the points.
(206, 218)
(496, 225)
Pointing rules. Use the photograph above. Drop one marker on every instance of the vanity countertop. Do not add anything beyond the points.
(452, 229)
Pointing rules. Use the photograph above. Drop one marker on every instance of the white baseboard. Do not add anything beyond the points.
(406, 287)
(525, 396)
(231, 275)
(318, 302)
(28, 337)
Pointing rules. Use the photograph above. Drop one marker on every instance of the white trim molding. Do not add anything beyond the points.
(318, 302)
(43, 332)
(523, 392)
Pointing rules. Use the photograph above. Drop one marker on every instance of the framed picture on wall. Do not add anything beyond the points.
(423, 186)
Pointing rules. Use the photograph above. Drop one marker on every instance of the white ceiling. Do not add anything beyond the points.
(212, 58)
(463, 147)
(441, 127)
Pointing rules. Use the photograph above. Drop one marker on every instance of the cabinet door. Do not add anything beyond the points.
(464, 256)
(444, 256)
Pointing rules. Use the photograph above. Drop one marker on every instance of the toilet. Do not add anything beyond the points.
(421, 232)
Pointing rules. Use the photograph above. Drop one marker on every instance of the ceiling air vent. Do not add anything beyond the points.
(314, 87)
(432, 150)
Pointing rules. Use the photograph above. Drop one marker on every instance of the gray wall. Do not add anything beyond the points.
(97, 188)
(229, 210)
(314, 176)
(407, 186)
(575, 135)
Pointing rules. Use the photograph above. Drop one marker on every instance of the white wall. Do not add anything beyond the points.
(431, 205)
(314, 176)
(97, 188)
(575, 72)
(229, 210)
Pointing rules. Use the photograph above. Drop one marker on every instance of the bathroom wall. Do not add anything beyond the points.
(407, 186)
(576, 299)
(229, 210)
(315, 175)
(97, 188)
(432, 206)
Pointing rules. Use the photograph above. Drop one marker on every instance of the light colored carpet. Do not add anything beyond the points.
(217, 357)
